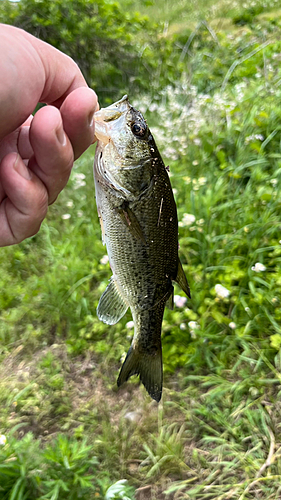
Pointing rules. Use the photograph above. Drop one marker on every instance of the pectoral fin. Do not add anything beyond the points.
(130, 220)
(181, 279)
(111, 307)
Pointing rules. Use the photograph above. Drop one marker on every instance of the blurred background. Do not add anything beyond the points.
(206, 75)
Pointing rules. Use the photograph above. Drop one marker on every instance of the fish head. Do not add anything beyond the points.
(123, 155)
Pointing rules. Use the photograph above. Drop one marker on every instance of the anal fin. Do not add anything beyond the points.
(170, 300)
(181, 279)
(111, 307)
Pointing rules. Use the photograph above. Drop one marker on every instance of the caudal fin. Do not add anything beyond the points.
(148, 366)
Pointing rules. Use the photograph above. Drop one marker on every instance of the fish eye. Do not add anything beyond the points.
(138, 129)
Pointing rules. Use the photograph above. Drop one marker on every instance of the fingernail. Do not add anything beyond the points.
(61, 136)
(21, 169)
(91, 116)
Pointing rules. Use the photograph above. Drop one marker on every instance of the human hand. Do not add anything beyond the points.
(37, 153)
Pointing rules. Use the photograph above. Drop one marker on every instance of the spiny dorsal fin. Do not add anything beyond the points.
(181, 279)
(112, 306)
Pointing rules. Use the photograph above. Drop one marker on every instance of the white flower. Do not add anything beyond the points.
(130, 325)
(179, 300)
(79, 180)
(187, 220)
(104, 260)
(80, 213)
(66, 216)
(123, 357)
(258, 267)
(202, 181)
(79, 184)
(193, 325)
(232, 325)
(69, 204)
(200, 222)
(79, 176)
(221, 291)
(3, 439)
(182, 326)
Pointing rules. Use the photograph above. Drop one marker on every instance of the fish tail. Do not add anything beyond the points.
(146, 364)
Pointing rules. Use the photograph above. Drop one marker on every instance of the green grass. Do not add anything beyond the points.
(216, 434)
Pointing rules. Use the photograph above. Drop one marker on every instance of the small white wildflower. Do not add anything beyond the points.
(80, 213)
(202, 181)
(69, 204)
(104, 260)
(274, 182)
(247, 309)
(254, 137)
(221, 291)
(258, 267)
(197, 141)
(153, 107)
(195, 185)
(193, 325)
(195, 162)
(130, 325)
(187, 179)
(122, 359)
(79, 176)
(187, 219)
(66, 216)
(179, 300)
(182, 326)
(79, 184)
(232, 325)
(3, 439)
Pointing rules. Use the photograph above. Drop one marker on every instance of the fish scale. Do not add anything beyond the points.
(139, 225)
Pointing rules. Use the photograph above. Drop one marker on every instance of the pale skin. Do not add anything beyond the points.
(37, 152)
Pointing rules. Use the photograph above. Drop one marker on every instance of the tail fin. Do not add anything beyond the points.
(148, 366)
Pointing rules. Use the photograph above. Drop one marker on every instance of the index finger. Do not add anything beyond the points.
(31, 71)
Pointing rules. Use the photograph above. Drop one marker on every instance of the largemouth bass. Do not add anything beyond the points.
(139, 224)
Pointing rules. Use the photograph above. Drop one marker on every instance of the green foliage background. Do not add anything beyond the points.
(113, 45)
(207, 77)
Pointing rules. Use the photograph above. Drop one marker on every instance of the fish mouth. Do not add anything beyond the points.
(105, 118)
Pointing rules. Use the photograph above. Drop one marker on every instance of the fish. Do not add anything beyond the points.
(138, 218)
